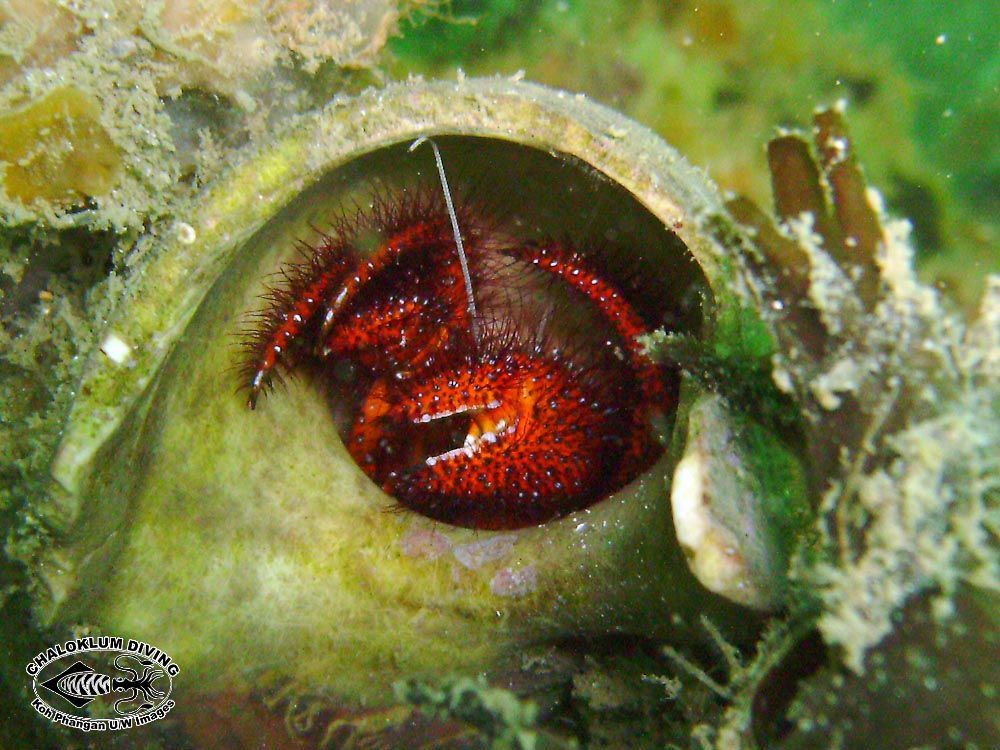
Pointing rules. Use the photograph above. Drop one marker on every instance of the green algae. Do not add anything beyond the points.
(507, 722)
(460, 28)
(783, 485)
(716, 78)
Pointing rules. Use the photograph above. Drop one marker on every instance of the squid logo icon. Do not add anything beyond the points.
(131, 686)
(79, 685)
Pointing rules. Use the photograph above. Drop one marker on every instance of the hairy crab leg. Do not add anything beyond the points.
(402, 329)
(316, 290)
(419, 233)
(573, 269)
(292, 310)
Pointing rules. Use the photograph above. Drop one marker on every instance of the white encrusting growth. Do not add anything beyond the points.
(458, 234)
(115, 348)
(186, 234)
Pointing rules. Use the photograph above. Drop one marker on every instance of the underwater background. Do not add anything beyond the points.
(114, 115)
(716, 79)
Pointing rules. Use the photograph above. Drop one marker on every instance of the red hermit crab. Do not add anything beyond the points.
(497, 382)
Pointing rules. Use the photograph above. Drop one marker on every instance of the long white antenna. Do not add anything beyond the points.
(458, 235)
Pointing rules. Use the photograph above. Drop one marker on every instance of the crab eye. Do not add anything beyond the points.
(496, 384)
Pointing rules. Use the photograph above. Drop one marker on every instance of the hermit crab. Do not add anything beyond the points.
(485, 403)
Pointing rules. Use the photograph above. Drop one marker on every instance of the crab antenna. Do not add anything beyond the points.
(458, 235)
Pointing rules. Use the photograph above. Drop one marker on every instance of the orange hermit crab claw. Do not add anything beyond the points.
(492, 444)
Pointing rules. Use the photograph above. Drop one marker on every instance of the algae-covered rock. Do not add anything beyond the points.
(55, 150)
(227, 46)
(738, 498)
(34, 33)
(93, 95)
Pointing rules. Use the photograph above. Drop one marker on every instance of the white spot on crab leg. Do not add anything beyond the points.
(423, 418)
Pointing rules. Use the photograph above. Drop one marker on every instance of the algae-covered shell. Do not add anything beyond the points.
(239, 544)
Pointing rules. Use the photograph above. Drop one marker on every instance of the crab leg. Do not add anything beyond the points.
(403, 241)
(293, 309)
(573, 269)
(398, 330)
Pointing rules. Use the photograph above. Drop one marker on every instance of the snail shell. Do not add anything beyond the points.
(169, 534)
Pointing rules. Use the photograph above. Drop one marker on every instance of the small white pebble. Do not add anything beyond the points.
(783, 380)
(940, 39)
(185, 233)
(116, 348)
(122, 48)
